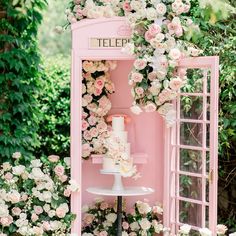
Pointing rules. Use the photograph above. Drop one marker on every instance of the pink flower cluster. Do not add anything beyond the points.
(97, 85)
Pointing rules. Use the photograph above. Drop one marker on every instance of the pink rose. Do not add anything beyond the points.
(125, 225)
(85, 125)
(46, 226)
(175, 54)
(84, 115)
(136, 77)
(104, 206)
(87, 65)
(94, 132)
(59, 170)
(53, 158)
(88, 219)
(62, 210)
(103, 233)
(24, 197)
(88, 98)
(152, 76)
(182, 73)
(16, 211)
(8, 176)
(140, 64)
(176, 83)
(161, 9)
(127, 7)
(38, 210)
(97, 92)
(102, 126)
(6, 221)
(99, 84)
(154, 29)
(87, 135)
(67, 192)
(63, 178)
(139, 91)
(150, 107)
(92, 120)
(148, 36)
(34, 217)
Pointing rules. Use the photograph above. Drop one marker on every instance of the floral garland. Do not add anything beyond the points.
(34, 198)
(96, 86)
(159, 29)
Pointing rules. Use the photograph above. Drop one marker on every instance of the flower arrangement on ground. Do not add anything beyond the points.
(161, 33)
(100, 220)
(96, 87)
(34, 198)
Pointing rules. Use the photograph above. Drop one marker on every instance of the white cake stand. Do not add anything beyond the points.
(119, 191)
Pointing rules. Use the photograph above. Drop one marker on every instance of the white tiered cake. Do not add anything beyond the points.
(112, 163)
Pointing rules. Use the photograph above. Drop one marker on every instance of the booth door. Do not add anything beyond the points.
(191, 150)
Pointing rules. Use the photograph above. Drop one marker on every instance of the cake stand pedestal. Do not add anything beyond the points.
(119, 191)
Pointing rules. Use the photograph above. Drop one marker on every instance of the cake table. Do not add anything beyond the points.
(125, 192)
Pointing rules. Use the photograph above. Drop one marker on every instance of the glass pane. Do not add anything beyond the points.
(190, 161)
(207, 216)
(208, 135)
(194, 233)
(191, 134)
(190, 213)
(208, 115)
(207, 162)
(207, 190)
(190, 187)
(191, 107)
(194, 81)
(208, 81)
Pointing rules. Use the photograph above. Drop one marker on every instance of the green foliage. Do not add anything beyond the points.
(54, 102)
(19, 76)
(220, 39)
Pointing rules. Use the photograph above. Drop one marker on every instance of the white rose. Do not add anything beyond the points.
(74, 187)
(55, 225)
(137, 5)
(136, 109)
(36, 173)
(151, 13)
(4, 210)
(51, 213)
(175, 53)
(16, 155)
(46, 207)
(24, 230)
(18, 170)
(143, 207)
(111, 217)
(67, 160)
(185, 229)
(134, 226)
(47, 196)
(145, 224)
(161, 9)
(13, 196)
(128, 49)
(157, 226)
(36, 163)
(205, 232)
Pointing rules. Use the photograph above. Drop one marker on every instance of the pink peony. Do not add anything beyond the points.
(148, 36)
(59, 170)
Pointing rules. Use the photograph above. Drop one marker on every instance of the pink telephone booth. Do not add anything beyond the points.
(167, 158)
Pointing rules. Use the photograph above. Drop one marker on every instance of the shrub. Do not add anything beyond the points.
(35, 198)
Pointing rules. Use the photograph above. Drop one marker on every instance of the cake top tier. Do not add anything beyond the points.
(118, 123)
